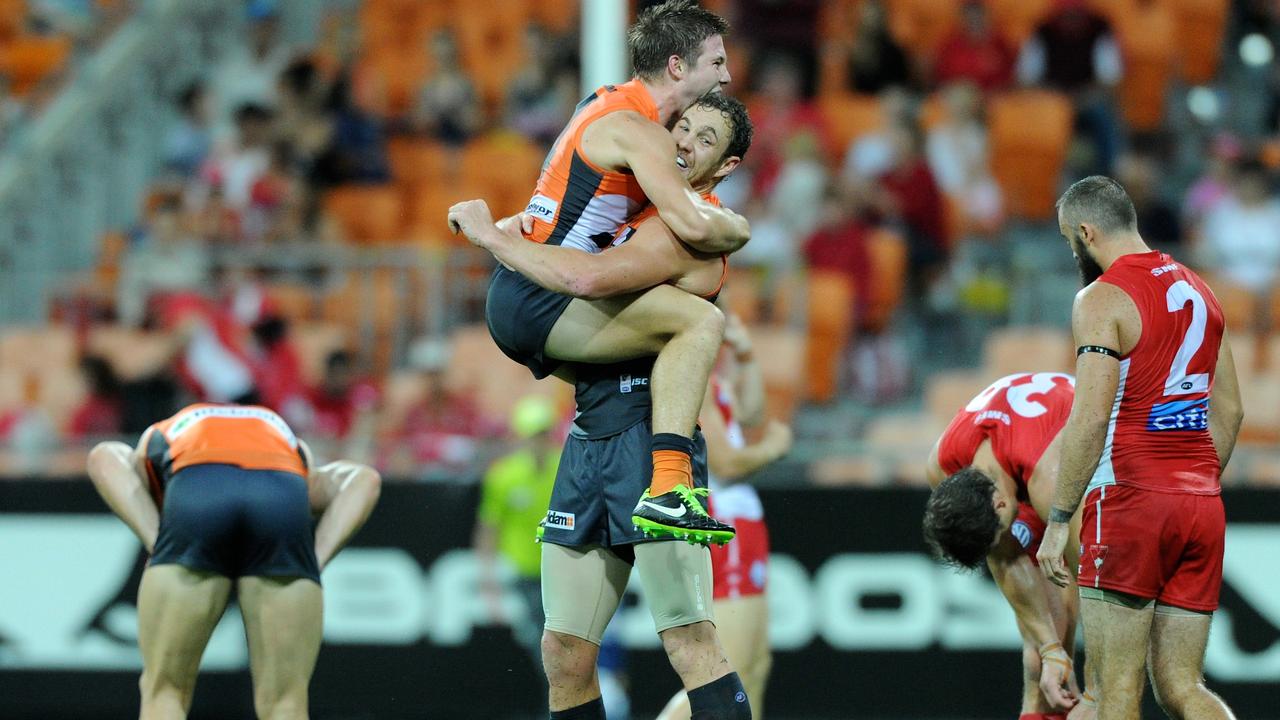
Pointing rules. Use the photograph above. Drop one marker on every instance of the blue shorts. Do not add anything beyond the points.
(599, 483)
(520, 314)
(235, 522)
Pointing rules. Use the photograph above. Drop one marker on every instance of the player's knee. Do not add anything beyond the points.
(567, 659)
(157, 687)
(710, 319)
(274, 705)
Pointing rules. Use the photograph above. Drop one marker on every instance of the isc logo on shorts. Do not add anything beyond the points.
(626, 382)
(1179, 415)
(561, 520)
(542, 208)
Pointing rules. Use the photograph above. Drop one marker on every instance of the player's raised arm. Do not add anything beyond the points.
(345, 493)
(113, 468)
(650, 152)
(1225, 408)
(1094, 323)
(629, 267)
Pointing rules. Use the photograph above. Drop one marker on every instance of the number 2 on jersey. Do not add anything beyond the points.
(1179, 382)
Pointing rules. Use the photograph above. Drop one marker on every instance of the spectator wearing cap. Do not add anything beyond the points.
(514, 498)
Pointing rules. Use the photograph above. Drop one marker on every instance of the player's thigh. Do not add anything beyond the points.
(1117, 629)
(624, 327)
(581, 590)
(283, 620)
(177, 611)
(1178, 640)
(677, 583)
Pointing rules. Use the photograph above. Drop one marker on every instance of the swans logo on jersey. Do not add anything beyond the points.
(561, 520)
(626, 382)
(1157, 272)
(542, 208)
(1022, 533)
(986, 415)
(1179, 415)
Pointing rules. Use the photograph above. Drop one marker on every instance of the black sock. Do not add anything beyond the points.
(593, 710)
(722, 699)
(672, 441)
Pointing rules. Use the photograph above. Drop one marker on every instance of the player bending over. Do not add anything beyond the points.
(615, 157)
(223, 494)
(1155, 420)
(993, 472)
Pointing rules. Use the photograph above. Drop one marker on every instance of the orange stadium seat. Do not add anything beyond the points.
(830, 325)
(367, 213)
(477, 367)
(1030, 131)
(849, 116)
(946, 392)
(505, 167)
(559, 16)
(429, 209)
(28, 60)
(13, 14)
(38, 349)
(1018, 19)
(1261, 410)
(132, 353)
(904, 441)
(1027, 349)
(887, 253)
(315, 341)
(419, 160)
(400, 75)
(491, 44)
(922, 25)
(1148, 38)
(780, 351)
(295, 302)
(1201, 27)
(1239, 306)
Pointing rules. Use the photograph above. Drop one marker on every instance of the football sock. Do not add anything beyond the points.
(593, 710)
(671, 463)
(722, 699)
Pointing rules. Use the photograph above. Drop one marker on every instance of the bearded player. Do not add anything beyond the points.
(993, 472)
(1155, 419)
(224, 495)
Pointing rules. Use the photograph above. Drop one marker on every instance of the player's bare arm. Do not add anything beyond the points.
(731, 464)
(1020, 583)
(113, 468)
(1096, 321)
(344, 493)
(628, 140)
(1226, 411)
(748, 382)
(651, 257)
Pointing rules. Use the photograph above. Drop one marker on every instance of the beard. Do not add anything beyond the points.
(1089, 268)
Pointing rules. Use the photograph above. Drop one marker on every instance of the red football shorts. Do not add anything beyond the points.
(1166, 546)
(740, 568)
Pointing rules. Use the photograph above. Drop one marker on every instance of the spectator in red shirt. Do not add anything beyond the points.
(910, 196)
(442, 429)
(975, 52)
(840, 242)
(779, 113)
(341, 399)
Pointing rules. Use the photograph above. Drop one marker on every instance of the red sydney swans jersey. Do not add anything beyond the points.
(1020, 414)
(1158, 438)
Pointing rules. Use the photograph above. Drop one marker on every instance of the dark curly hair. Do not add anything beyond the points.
(740, 125)
(675, 27)
(960, 524)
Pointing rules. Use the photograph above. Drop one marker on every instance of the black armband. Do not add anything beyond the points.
(1059, 515)
(1100, 349)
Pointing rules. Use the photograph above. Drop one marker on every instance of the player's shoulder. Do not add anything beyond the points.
(1100, 298)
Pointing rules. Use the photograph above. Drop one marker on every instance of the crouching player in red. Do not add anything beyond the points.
(994, 471)
(222, 494)
(735, 398)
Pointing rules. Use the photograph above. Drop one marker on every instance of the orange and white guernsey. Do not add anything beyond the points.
(248, 436)
(576, 203)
